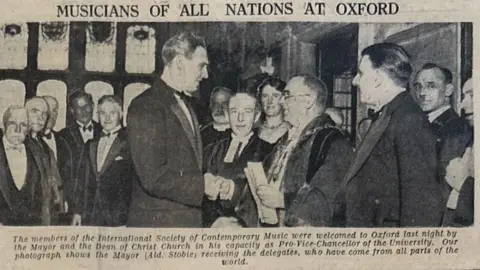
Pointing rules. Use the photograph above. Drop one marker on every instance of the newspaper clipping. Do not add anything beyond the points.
(219, 134)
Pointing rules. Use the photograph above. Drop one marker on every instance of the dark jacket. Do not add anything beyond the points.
(242, 204)
(20, 207)
(392, 181)
(168, 159)
(70, 150)
(102, 196)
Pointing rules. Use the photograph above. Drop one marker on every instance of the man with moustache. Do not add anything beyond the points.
(219, 128)
(392, 181)
(20, 186)
(59, 146)
(103, 186)
(226, 160)
(312, 158)
(460, 174)
(165, 141)
(51, 182)
(433, 88)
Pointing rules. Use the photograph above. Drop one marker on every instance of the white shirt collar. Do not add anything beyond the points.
(243, 139)
(113, 130)
(433, 115)
(87, 125)
(7, 144)
(221, 127)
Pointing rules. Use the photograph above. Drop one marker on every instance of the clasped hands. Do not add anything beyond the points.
(218, 187)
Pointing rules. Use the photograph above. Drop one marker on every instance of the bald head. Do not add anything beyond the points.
(52, 111)
(37, 109)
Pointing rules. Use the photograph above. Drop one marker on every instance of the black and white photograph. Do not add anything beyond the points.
(236, 124)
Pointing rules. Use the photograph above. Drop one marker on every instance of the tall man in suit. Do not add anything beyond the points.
(20, 187)
(103, 186)
(392, 181)
(52, 203)
(433, 89)
(78, 133)
(59, 145)
(165, 141)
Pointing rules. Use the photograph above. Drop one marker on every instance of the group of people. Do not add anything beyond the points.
(414, 166)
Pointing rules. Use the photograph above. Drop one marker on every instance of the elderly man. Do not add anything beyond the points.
(310, 160)
(392, 181)
(460, 170)
(164, 137)
(219, 128)
(20, 187)
(226, 160)
(103, 186)
(59, 146)
(52, 204)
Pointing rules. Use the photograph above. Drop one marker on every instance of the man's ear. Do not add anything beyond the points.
(379, 77)
(449, 90)
(178, 61)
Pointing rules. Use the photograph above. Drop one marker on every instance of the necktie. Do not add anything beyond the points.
(186, 98)
(237, 153)
(373, 115)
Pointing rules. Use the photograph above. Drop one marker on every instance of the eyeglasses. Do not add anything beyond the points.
(287, 95)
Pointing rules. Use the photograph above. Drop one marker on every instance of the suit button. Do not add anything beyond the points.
(377, 201)
(181, 173)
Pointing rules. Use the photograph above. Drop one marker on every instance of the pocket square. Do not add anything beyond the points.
(118, 158)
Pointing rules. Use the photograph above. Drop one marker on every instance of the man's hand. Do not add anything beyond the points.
(459, 169)
(212, 186)
(77, 220)
(226, 222)
(226, 189)
(270, 196)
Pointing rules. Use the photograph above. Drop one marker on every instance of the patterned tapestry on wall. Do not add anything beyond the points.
(53, 41)
(13, 46)
(98, 89)
(130, 92)
(140, 49)
(13, 93)
(58, 90)
(100, 46)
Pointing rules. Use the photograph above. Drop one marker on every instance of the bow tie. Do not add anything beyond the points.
(89, 128)
(14, 148)
(48, 136)
(186, 98)
(373, 115)
(104, 134)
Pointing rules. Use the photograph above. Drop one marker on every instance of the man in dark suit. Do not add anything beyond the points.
(460, 173)
(20, 187)
(227, 159)
(219, 128)
(165, 141)
(433, 89)
(52, 203)
(103, 186)
(59, 145)
(392, 181)
(78, 133)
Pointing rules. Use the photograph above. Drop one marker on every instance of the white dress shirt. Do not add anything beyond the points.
(104, 146)
(51, 143)
(433, 115)
(17, 162)
(186, 111)
(236, 147)
(87, 134)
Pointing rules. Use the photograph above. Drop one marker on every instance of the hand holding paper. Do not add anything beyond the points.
(270, 196)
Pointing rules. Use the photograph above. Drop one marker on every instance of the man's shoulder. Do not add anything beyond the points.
(453, 124)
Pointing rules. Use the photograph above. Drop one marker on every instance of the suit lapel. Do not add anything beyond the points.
(177, 110)
(118, 144)
(77, 136)
(93, 155)
(371, 139)
(4, 176)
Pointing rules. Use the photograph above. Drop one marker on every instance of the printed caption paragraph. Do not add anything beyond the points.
(236, 248)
